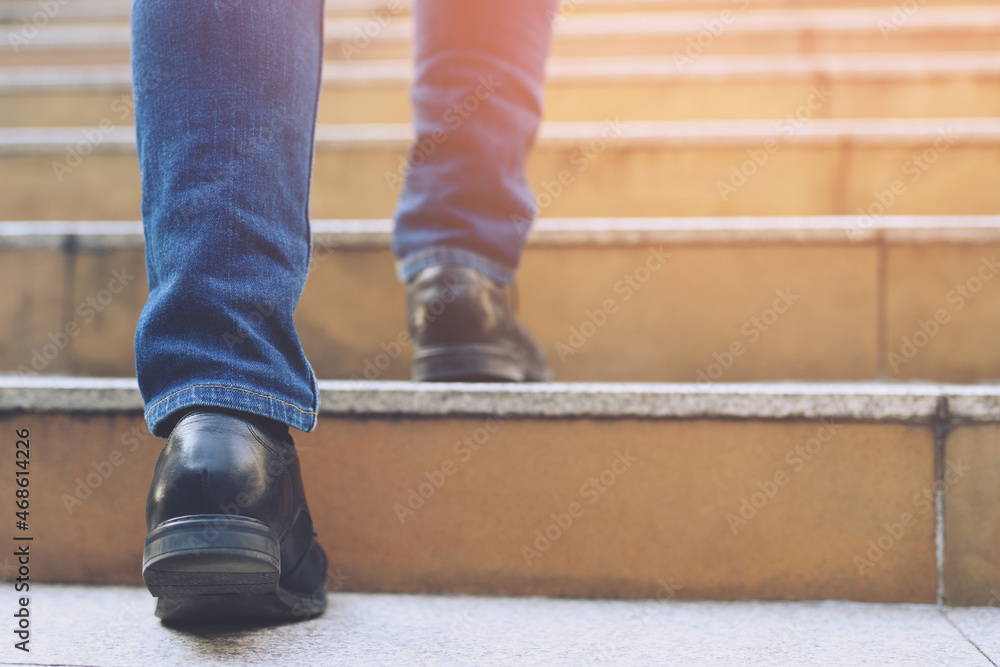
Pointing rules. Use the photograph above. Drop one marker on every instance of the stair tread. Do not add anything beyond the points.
(377, 233)
(645, 134)
(114, 625)
(98, 10)
(645, 68)
(865, 401)
(970, 18)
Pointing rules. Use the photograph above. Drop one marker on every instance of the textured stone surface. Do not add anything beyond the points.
(770, 30)
(75, 625)
(972, 516)
(976, 403)
(34, 192)
(33, 336)
(49, 394)
(90, 474)
(764, 400)
(376, 233)
(667, 515)
(351, 317)
(110, 290)
(942, 312)
(747, 400)
(827, 166)
(980, 626)
(642, 88)
(711, 313)
(503, 505)
(117, 10)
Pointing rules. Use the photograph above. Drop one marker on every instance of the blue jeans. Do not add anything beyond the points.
(226, 98)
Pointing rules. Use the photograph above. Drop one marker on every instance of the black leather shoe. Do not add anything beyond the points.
(230, 536)
(464, 330)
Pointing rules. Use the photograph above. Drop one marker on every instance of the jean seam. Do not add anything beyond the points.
(222, 386)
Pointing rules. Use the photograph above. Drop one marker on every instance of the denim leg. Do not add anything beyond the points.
(226, 97)
(477, 102)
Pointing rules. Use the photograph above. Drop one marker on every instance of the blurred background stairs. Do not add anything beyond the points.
(763, 275)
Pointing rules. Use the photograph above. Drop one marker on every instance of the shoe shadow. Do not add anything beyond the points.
(225, 640)
(208, 628)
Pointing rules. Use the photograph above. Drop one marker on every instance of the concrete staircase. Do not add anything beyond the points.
(758, 220)
(112, 625)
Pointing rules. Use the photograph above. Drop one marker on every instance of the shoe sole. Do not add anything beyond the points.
(220, 567)
(472, 363)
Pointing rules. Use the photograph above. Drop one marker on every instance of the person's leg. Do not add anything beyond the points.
(477, 104)
(225, 115)
(477, 101)
(226, 97)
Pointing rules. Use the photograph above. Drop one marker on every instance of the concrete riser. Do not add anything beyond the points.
(593, 176)
(726, 510)
(79, 11)
(835, 312)
(955, 96)
(683, 46)
(793, 43)
(606, 508)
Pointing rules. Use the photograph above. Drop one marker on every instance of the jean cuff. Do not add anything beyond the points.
(411, 265)
(234, 398)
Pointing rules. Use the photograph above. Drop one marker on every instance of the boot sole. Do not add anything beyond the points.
(473, 363)
(220, 567)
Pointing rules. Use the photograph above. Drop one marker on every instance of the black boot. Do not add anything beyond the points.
(464, 330)
(230, 534)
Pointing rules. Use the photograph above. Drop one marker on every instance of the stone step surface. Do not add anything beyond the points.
(933, 166)
(682, 35)
(580, 89)
(114, 625)
(16, 11)
(710, 299)
(869, 492)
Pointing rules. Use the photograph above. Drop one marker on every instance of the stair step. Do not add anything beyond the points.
(725, 30)
(895, 297)
(612, 168)
(15, 11)
(113, 625)
(580, 89)
(754, 491)
(732, 30)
